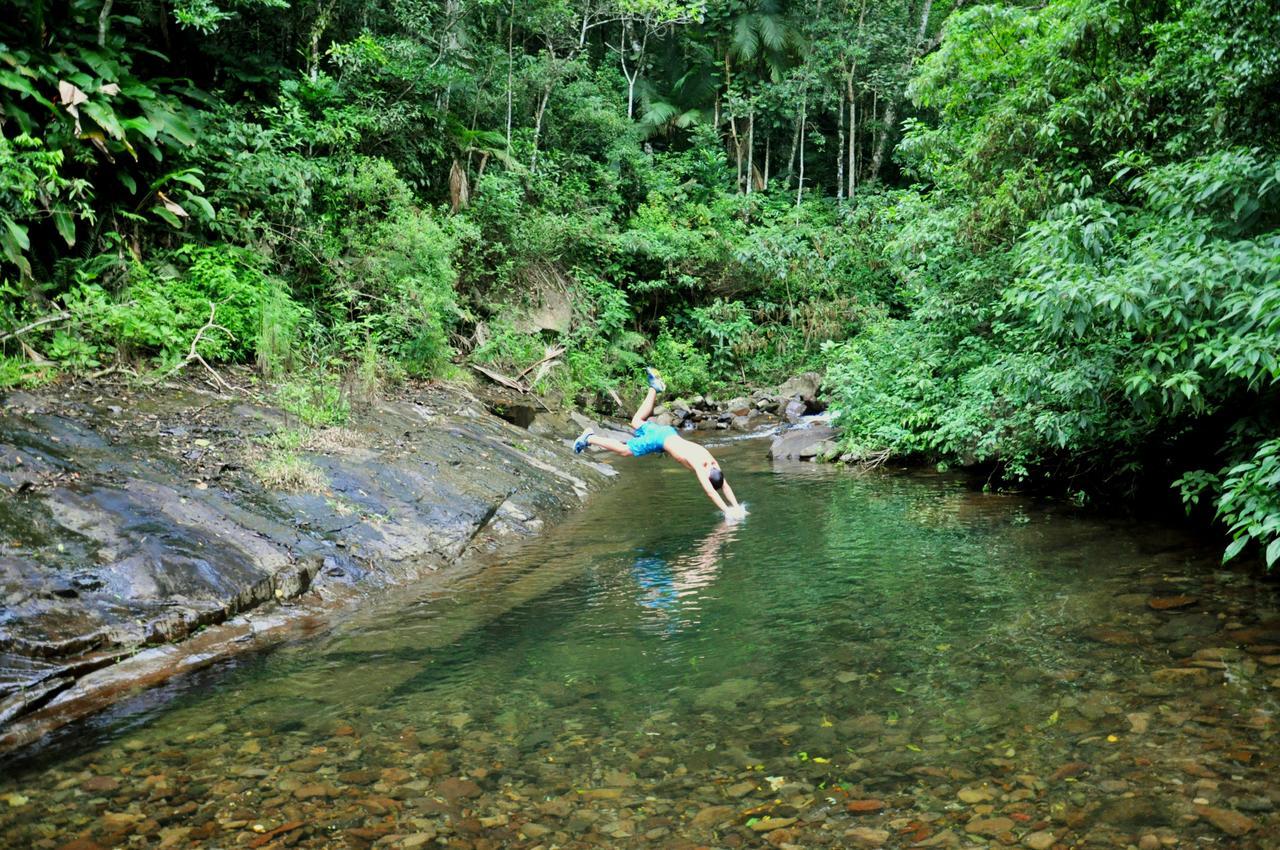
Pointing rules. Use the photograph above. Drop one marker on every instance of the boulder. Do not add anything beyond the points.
(550, 309)
(820, 450)
(802, 443)
(804, 387)
(795, 410)
(554, 424)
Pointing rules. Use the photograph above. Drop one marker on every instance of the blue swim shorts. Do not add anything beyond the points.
(649, 438)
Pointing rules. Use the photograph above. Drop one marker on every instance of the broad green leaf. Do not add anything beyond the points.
(105, 117)
(66, 226)
(18, 83)
(172, 219)
(201, 204)
(18, 233)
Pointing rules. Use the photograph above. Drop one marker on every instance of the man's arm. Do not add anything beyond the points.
(728, 491)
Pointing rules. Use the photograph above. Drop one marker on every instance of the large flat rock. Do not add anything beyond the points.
(128, 521)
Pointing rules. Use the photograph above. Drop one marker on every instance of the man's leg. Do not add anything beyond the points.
(611, 445)
(645, 410)
(656, 385)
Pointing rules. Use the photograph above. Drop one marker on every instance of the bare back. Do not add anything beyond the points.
(688, 454)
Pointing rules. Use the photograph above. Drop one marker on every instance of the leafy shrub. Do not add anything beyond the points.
(165, 304)
(401, 293)
(685, 369)
(317, 400)
(20, 372)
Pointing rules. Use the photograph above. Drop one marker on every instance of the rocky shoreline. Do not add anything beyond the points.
(144, 535)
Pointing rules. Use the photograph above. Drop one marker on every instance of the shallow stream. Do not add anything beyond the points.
(878, 660)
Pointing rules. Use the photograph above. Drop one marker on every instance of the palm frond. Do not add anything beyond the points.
(773, 32)
(745, 41)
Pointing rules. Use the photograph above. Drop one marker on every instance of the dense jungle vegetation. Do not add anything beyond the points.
(1039, 237)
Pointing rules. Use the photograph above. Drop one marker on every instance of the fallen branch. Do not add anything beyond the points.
(499, 378)
(552, 353)
(873, 460)
(39, 323)
(193, 356)
(33, 355)
(616, 400)
(512, 383)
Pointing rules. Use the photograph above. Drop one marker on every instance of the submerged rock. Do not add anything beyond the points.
(1228, 821)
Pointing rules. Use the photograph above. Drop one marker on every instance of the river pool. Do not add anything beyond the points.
(869, 660)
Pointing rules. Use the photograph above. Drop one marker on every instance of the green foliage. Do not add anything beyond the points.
(18, 372)
(1092, 274)
(1067, 257)
(1250, 504)
(316, 399)
(218, 292)
(685, 369)
(90, 125)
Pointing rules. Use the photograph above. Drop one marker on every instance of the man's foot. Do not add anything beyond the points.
(655, 380)
(581, 443)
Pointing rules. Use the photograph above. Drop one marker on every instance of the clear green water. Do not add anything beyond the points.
(891, 636)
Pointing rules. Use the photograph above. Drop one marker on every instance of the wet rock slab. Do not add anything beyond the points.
(133, 521)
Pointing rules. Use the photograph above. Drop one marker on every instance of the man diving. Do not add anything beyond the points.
(650, 438)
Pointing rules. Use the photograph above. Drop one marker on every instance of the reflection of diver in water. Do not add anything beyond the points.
(663, 585)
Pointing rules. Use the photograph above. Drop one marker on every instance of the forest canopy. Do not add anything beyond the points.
(1040, 239)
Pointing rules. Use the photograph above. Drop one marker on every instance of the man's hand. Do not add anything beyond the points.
(734, 513)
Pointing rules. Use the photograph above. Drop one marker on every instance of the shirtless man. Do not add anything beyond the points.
(652, 438)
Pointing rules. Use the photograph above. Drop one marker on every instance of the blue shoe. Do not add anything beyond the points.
(655, 380)
(581, 443)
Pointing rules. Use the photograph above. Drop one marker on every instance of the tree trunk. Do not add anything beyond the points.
(891, 108)
(751, 148)
(511, 20)
(737, 151)
(840, 152)
(537, 127)
(853, 135)
(795, 145)
(852, 97)
(767, 139)
(318, 26)
(632, 75)
(103, 17)
(459, 187)
(804, 102)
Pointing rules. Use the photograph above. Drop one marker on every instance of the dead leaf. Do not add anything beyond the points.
(172, 206)
(70, 95)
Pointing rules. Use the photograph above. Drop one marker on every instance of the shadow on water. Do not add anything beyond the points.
(889, 636)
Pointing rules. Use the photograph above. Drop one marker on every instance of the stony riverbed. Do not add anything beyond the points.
(877, 661)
